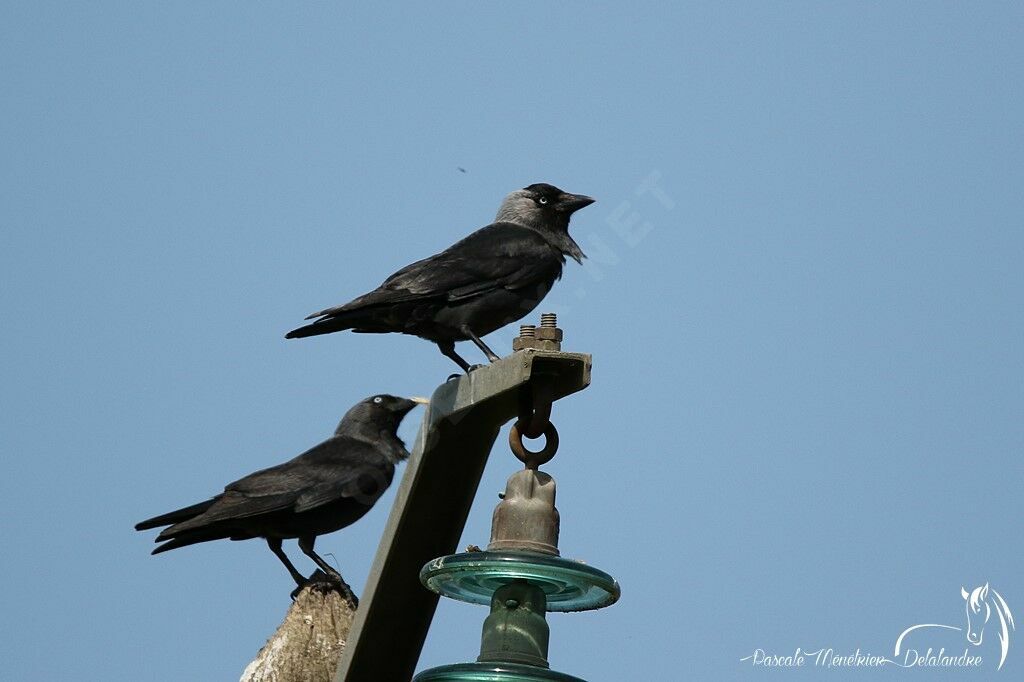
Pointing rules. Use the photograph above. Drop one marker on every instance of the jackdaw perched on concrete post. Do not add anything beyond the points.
(491, 278)
(326, 488)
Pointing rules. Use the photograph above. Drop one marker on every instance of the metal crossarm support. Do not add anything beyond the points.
(433, 501)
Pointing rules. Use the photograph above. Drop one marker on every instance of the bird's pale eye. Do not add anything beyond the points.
(378, 400)
(542, 200)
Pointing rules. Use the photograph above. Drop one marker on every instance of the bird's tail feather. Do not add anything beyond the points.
(361, 319)
(175, 516)
(324, 326)
(192, 537)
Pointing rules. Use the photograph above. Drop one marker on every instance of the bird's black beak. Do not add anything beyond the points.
(403, 406)
(410, 403)
(570, 203)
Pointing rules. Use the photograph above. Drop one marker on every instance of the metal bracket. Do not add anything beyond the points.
(433, 501)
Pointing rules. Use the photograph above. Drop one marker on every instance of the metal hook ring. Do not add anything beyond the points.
(534, 427)
(532, 459)
(534, 409)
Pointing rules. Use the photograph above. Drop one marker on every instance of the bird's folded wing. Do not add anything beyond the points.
(365, 487)
(233, 505)
(498, 256)
(334, 465)
(352, 468)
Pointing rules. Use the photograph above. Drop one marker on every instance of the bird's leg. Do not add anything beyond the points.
(306, 545)
(479, 343)
(275, 547)
(448, 350)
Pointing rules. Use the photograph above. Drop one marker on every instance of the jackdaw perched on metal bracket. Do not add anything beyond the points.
(326, 488)
(491, 278)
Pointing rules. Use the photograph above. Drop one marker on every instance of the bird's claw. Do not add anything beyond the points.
(470, 368)
(348, 594)
(326, 583)
(318, 579)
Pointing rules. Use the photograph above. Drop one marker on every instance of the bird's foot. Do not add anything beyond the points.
(325, 582)
(349, 595)
(318, 580)
(469, 368)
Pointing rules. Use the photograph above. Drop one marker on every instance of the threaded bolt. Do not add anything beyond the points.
(526, 331)
(548, 320)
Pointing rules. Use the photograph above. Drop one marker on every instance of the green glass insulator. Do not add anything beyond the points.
(492, 672)
(474, 577)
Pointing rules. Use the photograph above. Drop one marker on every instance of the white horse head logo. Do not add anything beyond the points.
(980, 604)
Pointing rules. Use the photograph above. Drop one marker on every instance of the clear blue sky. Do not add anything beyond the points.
(807, 419)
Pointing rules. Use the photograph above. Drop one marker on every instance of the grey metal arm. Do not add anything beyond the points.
(433, 501)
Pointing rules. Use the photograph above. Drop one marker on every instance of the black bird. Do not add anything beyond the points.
(493, 277)
(326, 488)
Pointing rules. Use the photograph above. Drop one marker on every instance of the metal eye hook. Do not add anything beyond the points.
(535, 410)
(532, 459)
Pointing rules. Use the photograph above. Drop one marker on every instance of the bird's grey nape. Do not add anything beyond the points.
(520, 208)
